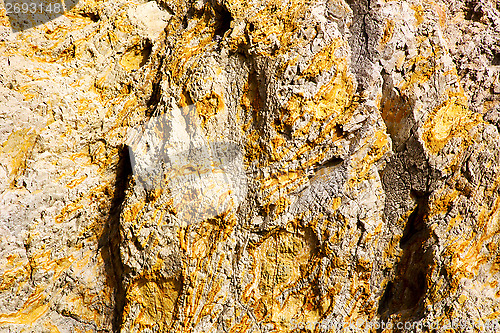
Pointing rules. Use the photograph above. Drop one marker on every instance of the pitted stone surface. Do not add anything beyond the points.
(296, 166)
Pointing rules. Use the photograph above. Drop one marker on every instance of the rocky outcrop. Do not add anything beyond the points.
(251, 166)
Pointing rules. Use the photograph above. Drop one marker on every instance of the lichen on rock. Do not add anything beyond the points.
(251, 166)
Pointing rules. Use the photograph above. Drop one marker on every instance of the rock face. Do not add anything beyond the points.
(251, 166)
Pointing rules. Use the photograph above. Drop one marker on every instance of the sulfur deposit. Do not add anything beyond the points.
(251, 166)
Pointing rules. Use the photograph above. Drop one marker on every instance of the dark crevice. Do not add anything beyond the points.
(185, 22)
(224, 20)
(473, 11)
(166, 6)
(155, 97)
(109, 243)
(147, 48)
(386, 297)
(496, 60)
(332, 162)
(404, 294)
(93, 16)
(325, 167)
(283, 128)
(415, 224)
(339, 131)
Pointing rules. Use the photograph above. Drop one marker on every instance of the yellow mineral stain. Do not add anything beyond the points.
(10, 276)
(378, 146)
(135, 57)
(331, 100)
(34, 308)
(67, 210)
(493, 316)
(495, 266)
(423, 66)
(419, 14)
(392, 250)
(43, 260)
(453, 222)
(130, 105)
(388, 31)
(200, 35)
(18, 147)
(78, 305)
(4, 20)
(209, 106)
(251, 99)
(76, 181)
(132, 212)
(324, 59)
(155, 298)
(51, 327)
(275, 25)
(280, 262)
(445, 122)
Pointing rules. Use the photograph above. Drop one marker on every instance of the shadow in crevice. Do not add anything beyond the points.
(109, 243)
(92, 15)
(473, 11)
(153, 100)
(224, 20)
(404, 294)
(496, 60)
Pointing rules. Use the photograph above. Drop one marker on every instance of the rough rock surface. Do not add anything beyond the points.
(312, 166)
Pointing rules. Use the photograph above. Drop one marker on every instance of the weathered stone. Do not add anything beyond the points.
(251, 166)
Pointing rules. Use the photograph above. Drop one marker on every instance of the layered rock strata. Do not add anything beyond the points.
(251, 166)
